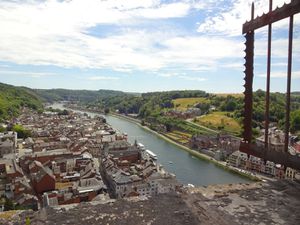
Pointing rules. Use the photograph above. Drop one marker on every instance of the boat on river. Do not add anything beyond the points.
(151, 154)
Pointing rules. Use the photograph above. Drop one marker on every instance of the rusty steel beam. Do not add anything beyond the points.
(288, 91)
(265, 151)
(267, 112)
(248, 93)
(285, 11)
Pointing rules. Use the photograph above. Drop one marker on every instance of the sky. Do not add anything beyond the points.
(140, 45)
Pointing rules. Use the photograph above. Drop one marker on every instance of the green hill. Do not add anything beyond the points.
(86, 96)
(12, 99)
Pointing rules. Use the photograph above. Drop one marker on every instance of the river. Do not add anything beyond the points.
(187, 168)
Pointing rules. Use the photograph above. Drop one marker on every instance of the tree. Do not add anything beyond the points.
(203, 106)
(230, 105)
(21, 131)
(295, 121)
(106, 110)
(8, 205)
(2, 129)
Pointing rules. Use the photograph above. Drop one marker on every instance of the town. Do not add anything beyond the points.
(224, 148)
(67, 157)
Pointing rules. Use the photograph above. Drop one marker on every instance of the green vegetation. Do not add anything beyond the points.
(185, 103)
(2, 129)
(235, 95)
(8, 205)
(178, 136)
(295, 121)
(85, 96)
(27, 221)
(21, 131)
(151, 107)
(220, 121)
(13, 99)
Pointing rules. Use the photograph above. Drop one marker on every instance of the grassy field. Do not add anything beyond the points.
(219, 121)
(236, 95)
(8, 214)
(179, 136)
(185, 103)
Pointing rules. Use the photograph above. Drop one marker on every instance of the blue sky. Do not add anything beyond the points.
(138, 45)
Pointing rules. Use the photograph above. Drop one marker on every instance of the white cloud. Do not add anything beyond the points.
(237, 66)
(183, 76)
(26, 73)
(199, 53)
(198, 79)
(56, 33)
(280, 64)
(279, 48)
(103, 78)
(168, 74)
(4, 66)
(171, 10)
(282, 74)
(230, 19)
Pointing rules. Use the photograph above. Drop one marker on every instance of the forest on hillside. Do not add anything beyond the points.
(12, 99)
(152, 107)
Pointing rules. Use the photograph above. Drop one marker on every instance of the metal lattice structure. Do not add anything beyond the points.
(281, 157)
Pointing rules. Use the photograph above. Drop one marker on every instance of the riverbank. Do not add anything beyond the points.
(190, 151)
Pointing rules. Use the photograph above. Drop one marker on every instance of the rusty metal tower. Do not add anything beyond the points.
(247, 146)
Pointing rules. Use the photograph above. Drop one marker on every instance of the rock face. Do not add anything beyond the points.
(255, 203)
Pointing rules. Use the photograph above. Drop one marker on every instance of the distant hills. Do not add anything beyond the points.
(147, 105)
(13, 98)
(52, 95)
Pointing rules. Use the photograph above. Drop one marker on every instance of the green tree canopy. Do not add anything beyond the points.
(295, 121)
(21, 131)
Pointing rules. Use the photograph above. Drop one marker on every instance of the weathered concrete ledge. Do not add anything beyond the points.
(261, 203)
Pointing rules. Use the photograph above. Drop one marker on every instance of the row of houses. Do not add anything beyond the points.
(219, 146)
(241, 160)
(72, 158)
(276, 139)
(59, 160)
(226, 148)
(130, 171)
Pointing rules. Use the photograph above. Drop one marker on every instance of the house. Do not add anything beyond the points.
(137, 179)
(43, 180)
(50, 199)
(28, 200)
(201, 142)
(8, 143)
(276, 139)
(237, 159)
